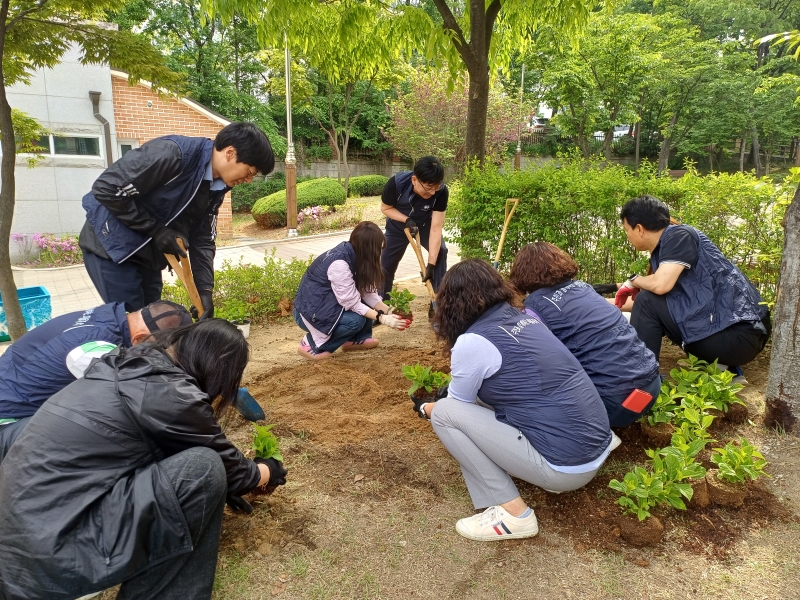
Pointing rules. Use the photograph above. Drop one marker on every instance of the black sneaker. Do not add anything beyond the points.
(431, 311)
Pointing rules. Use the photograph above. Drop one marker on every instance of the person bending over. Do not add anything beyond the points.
(695, 296)
(418, 200)
(50, 357)
(622, 369)
(122, 476)
(539, 419)
(338, 297)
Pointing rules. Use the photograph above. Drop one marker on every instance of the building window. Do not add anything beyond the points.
(76, 145)
(125, 148)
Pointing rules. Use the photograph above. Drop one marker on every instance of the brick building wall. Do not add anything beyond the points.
(142, 115)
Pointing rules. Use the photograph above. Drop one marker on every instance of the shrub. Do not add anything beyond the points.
(738, 462)
(245, 195)
(424, 377)
(366, 185)
(270, 211)
(54, 251)
(267, 290)
(575, 205)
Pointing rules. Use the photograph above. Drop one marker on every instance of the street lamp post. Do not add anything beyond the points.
(290, 162)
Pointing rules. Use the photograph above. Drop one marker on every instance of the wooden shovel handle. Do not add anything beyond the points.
(183, 270)
(417, 250)
(509, 213)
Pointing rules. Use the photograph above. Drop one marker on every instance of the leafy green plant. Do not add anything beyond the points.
(676, 464)
(641, 491)
(702, 379)
(663, 410)
(233, 310)
(366, 185)
(245, 195)
(424, 377)
(739, 461)
(265, 443)
(270, 211)
(400, 300)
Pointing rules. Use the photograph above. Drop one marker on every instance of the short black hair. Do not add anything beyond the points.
(647, 211)
(429, 169)
(251, 144)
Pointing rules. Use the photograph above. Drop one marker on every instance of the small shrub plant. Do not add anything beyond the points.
(265, 443)
(424, 378)
(270, 211)
(738, 462)
(400, 300)
(234, 310)
(245, 195)
(366, 185)
(53, 251)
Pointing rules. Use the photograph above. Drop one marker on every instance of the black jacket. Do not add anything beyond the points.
(83, 503)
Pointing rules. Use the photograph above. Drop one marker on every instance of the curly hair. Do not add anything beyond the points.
(368, 241)
(541, 264)
(468, 290)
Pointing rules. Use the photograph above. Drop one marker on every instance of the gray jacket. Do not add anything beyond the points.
(83, 503)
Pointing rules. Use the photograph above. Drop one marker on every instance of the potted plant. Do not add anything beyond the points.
(265, 443)
(236, 312)
(426, 380)
(736, 463)
(400, 300)
(642, 490)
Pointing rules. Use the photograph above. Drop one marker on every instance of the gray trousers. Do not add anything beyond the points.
(490, 452)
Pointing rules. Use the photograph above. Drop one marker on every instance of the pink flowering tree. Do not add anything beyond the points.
(429, 120)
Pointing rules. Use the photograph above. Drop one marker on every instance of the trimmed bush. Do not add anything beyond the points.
(270, 211)
(245, 195)
(366, 185)
(575, 205)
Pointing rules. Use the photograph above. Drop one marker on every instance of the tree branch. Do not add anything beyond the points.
(21, 15)
(491, 15)
(450, 24)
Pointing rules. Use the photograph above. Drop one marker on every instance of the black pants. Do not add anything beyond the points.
(134, 284)
(734, 346)
(396, 244)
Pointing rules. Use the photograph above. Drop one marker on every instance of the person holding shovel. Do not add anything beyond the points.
(122, 477)
(168, 190)
(338, 298)
(539, 418)
(622, 369)
(695, 296)
(416, 200)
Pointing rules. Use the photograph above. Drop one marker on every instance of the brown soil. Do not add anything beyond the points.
(723, 493)
(372, 497)
(658, 435)
(700, 497)
(641, 533)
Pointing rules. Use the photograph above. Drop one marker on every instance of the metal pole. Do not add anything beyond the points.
(518, 155)
(290, 162)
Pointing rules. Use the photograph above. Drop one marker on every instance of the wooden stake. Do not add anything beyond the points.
(509, 213)
(417, 245)
(183, 270)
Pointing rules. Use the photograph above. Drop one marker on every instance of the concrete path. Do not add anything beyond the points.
(71, 289)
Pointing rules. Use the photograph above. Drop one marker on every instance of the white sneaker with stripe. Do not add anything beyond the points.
(495, 524)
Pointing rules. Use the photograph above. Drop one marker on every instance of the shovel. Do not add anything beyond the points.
(183, 270)
(418, 251)
(513, 202)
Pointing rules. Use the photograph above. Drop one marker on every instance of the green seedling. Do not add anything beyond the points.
(265, 443)
(234, 311)
(663, 411)
(641, 491)
(424, 377)
(739, 461)
(400, 300)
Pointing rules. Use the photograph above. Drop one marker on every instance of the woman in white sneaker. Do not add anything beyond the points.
(539, 418)
(338, 298)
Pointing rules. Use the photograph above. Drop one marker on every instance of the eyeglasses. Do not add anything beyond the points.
(251, 174)
(430, 188)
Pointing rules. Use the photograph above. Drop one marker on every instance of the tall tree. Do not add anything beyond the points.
(37, 33)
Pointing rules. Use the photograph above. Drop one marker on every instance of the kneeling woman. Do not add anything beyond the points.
(546, 423)
(338, 298)
(620, 366)
(122, 476)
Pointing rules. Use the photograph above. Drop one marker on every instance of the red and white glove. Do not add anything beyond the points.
(626, 290)
(394, 322)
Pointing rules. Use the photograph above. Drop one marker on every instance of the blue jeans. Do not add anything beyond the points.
(618, 415)
(352, 327)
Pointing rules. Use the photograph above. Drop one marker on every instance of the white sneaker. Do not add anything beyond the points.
(496, 524)
(616, 442)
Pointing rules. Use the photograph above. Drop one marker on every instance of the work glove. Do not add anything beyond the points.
(627, 290)
(277, 473)
(394, 322)
(418, 402)
(412, 226)
(207, 300)
(166, 240)
(238, 504)
(442, 392)
(605, 288)
(428, 273)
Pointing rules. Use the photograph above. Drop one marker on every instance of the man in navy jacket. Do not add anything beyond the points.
(170, 189)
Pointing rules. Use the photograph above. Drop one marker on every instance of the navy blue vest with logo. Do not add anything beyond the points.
(315, 298)
(542, 390)
(164, 203)
(421, 210)
(712, 295)
(597, 334)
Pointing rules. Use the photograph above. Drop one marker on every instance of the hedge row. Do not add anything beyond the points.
(366, 185)
(245, 195)
(270, 211)
(576, 205)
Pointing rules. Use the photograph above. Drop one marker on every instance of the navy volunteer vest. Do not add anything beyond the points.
(420, 211)
(315, 298)
(542, 390)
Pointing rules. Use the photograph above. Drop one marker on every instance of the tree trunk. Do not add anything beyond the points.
(608, 142)
(742, 153)
(782, 396)
(345, 144)
(638, 134)
(477, 108)
(14, 318)
(756, 153)
(663, 155)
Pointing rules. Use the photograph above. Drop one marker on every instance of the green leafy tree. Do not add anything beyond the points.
(35, 34)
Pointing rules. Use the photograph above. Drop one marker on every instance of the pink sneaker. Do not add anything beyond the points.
(366, 344)
(308, 353)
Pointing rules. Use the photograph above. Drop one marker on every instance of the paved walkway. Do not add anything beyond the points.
(71, 289)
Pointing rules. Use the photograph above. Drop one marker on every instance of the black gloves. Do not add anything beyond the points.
(412, 226)
(605, 288)
(277, 473)
(239, 504)
(442, 392)
(166, 240)
(428, 273)
(207, 299)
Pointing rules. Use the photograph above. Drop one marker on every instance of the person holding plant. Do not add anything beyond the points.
(418, 200)
(539, 418)
(338, 298)
(168, 191)
(126, 474)
(622, 369)
(695, 296)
